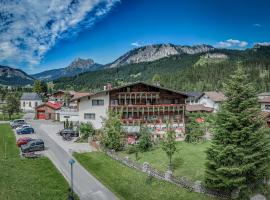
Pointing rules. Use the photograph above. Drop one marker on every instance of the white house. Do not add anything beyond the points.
(94, 109)
(29, 101)
(212, 99)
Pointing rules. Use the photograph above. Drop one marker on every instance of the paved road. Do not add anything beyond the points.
(85, 185)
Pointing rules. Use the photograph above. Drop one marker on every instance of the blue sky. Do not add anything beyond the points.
(105, 29)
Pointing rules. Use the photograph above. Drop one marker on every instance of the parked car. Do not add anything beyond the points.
(33, 145)
(27, 130)
(23, 126)
(17, 122)
(23, 141)
(69, 132)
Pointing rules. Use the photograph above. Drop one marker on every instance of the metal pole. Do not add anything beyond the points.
(72, 181)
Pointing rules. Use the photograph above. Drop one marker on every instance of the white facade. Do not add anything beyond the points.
(265, 107)
(207, 102)
(29, 105)
(70, 114)
(94, 109)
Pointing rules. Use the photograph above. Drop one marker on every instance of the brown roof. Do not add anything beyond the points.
(79, 95)
(198, 107)
(139, 82)
(216, 96)
(265, 100)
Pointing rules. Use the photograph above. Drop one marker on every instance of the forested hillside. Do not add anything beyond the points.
(198, 72)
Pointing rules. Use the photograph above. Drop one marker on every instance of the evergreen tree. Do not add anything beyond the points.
(239, 154)
(37, 87)
(12, 105)
(113, 135)
(145, 142)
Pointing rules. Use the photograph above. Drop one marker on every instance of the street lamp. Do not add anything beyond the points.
(71, 162)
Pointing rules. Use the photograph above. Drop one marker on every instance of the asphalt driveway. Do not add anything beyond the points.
(85, 185)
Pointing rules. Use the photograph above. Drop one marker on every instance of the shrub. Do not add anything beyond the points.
(145, 142)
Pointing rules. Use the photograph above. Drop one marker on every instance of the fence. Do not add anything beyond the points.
(196, 186)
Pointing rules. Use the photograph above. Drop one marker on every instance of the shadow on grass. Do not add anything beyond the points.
(177, 162)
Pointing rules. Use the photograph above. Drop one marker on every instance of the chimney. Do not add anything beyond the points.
(109, 86)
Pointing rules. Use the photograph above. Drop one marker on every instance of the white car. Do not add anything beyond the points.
(23, 126)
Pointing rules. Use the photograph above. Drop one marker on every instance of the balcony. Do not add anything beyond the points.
(148, 109)
(138, 95)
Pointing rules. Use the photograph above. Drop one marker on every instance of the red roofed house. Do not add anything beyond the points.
(47, 110)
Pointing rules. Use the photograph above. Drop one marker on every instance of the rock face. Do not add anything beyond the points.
(77, 66)
(12, 76)
(154, 52)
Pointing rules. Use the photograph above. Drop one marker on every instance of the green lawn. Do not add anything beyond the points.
(14, 116)
(27, 179)
(189, 160)
(129, 184)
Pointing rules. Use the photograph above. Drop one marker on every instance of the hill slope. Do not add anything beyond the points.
(155, 52)
(201, 71)
(76, 67)
(12, 76)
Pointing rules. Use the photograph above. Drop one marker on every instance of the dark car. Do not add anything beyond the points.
(17, 123)
(23, 141)
(34, 145)
(69, 132)
(26, 130)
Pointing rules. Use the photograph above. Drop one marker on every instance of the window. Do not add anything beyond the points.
(24, 104)
(36, 104)
(89, 116)
(267, 107)
(30, 104)
(97, 102)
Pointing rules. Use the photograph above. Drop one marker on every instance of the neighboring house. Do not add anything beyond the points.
(265, 103)
(47, 110)
(193, 97)
(67, 113)
(198, 108)
(137, 103)
(264, 95)
(29, 101)
(212, 99)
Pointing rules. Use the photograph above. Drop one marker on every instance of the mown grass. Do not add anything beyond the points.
(27, 179)
(14, 116)
(129, 184)
(188, 161)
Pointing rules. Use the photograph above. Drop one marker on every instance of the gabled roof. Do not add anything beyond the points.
(198, 107)
(264, 94)
(265, 100)
(32, 96)
(135, 83)
(216, 96)
(54, 106)
(79, 95)
(193, 96)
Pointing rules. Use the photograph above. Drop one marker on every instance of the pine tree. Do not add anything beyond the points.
(239, 154)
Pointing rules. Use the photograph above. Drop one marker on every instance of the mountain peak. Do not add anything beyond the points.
(81, 63)
(154, 52)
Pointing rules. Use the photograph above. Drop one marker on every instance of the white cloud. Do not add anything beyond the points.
(232, 43)
(136, 44)
(28, 29)
(257, 25)
(263, 43)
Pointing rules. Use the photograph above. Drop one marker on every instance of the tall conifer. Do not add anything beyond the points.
(239, 154)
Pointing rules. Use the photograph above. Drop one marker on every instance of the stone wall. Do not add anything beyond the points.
(196, 186)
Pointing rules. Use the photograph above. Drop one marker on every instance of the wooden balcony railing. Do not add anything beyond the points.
(147, 109)
(138, 95)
